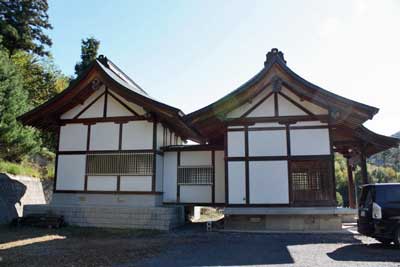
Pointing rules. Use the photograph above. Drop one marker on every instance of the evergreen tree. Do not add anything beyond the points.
(16, 141)
(89, 49)
(21, 26)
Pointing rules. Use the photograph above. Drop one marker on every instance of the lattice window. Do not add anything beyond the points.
(195, 175)
(308, 175)
(119, 163)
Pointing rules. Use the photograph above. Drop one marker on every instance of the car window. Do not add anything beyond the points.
(366, 197)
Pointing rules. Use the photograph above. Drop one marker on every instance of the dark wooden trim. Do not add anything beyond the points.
(87, 149)
(89, 105)
(123, 104)
(178, 187)
(206, 204)
(226, 166)
(110, 192)
(118, 183)
(252, 129)
(276, 104)
(121, 127)
(213, 177)
(81, 152)
(153, 178)
(281, 119)
(88, 137)
(56, 158)
(350, 185)
(289, 153)
(105, 103)
(272, 158)
(205, 147)
(246, 152)
(256, 105)
(332, 159)
(296, 104)
(363, 165)
(309, 127)
(119, 119)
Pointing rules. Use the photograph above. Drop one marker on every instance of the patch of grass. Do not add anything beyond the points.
(19, 169)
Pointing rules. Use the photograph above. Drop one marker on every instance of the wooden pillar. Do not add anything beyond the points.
(363, 165)
(350, 184)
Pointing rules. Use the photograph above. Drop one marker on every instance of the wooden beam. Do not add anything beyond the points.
(350, 185)
(363, 165)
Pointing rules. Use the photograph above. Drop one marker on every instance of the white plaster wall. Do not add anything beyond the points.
(94, 111)
(135, 183)
(71, 172)
(195, 194)
(159, 173)
(102, 183)
(73, 137)
(195, 158)
(160, 135)
(267, 143)
(269, 183)
(310, 142)
(238, 112)
(219, 177)
(70, 114)
(309, 123)
(170, 176)
(288, 109)
(266, 124)
(315, 109)
(235, 144)
(115, 109)
(137, 135)
(236, 182)
(104, 136)
(266, 109)
(138, 109)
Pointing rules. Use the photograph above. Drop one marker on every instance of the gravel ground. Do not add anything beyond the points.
(188, 246)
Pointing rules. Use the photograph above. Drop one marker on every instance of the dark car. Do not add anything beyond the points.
(379, 212)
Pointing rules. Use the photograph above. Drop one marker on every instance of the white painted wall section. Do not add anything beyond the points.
(195, 194)
(71, 172)
(138, 109)
(196, 158)
(266, 109)
(170, 176)
(236, 182)
(238, 112)
(315, 109)
(115, 109)
(104, 136)
(219, 177)
(102, 183)
(310, 142)
(159, 173)
(136, 183)
(286, 108)
(267, 143)
(137, 135)
(94, 111)
(235, 144)
(73, 137)
(268, 182)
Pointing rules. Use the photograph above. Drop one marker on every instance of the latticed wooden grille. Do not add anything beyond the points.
(120, 163)
(195, 175)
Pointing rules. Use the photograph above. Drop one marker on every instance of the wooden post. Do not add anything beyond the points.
(350, 184)
(363, 163)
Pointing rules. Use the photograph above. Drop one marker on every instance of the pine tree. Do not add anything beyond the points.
(21, 26)
(89, 49)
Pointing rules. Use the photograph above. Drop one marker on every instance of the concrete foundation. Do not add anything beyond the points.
(159, 218)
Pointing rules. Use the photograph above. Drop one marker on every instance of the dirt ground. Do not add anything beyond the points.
(188, 246)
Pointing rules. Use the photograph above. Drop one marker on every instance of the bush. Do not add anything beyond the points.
(19, 169)
(339, 199)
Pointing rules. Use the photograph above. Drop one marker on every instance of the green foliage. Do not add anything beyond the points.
(22, 24)
(339, 199)
(15, 140)
(89, 49)
(19, 169)
(389, 158)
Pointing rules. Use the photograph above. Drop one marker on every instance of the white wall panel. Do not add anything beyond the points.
(94, 111)
(195, 194)
(104, 136)
(160, 135)
(235, 144)
(269, 183)
(159, 173)
(266, 124)
(71, 172)
(170, 176)
(138, 109)
(238, 112)
(236, 182)
(315, 109)
(286, 108)
(115, 109)
(73, 137)
(102, 183)
(137, 135)
(266, 109)
(219, 177)
(309, 123)
(309, 142)
(70, 114)
(267, 143)
(136, 183)
(194, 158)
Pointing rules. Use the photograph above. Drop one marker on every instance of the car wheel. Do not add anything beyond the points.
(397, 237)
(385, 241)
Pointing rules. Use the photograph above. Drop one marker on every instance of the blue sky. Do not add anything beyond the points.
(190, 53)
